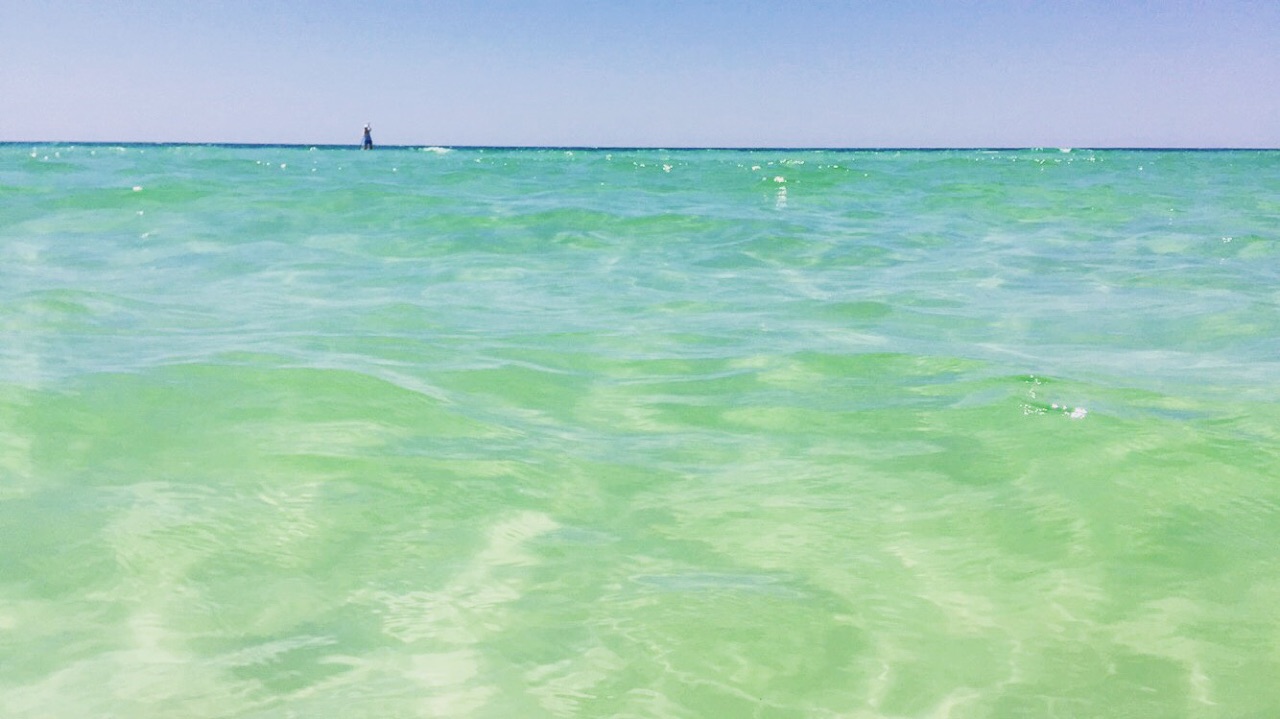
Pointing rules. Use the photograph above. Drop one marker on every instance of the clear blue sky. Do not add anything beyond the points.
(646, 73)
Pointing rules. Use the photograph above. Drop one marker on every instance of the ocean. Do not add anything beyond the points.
(476, 432)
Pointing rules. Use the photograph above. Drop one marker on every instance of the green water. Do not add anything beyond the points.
(548, 433)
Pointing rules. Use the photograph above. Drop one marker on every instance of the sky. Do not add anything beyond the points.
(645, 73)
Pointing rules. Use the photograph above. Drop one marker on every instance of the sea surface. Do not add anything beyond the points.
(426, 432)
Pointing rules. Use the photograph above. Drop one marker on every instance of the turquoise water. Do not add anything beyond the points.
(297, 432)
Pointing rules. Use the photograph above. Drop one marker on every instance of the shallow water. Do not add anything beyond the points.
(628, 433)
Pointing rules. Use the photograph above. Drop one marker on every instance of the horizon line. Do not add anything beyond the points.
(671, 148)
